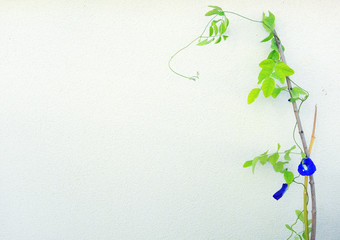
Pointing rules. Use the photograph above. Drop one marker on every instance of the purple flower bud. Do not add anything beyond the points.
(282, 191)
(306, 167)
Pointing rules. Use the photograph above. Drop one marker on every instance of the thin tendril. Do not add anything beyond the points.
(299, 87)
(291, 226)
(199, 37)
(289, 153)
(304, 188)
(243, 16)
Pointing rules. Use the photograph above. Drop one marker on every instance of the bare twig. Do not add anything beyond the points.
(302, 136)
(305, 194)
(311, 180)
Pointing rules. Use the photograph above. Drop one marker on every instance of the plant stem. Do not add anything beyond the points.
(311, 180)
(302, 136)
(305, 211)
(305, 194)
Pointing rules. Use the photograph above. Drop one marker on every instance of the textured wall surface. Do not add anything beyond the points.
(99, 140)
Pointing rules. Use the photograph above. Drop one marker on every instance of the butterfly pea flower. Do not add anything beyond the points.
(306, 167)
(282, 191)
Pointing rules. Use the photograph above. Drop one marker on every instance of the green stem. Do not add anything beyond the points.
(169, 63)
(200, 36)
(243, 16)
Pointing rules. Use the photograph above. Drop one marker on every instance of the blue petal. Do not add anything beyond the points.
(306, 167)
(282, 191)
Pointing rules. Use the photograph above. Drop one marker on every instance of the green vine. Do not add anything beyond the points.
(272, 79)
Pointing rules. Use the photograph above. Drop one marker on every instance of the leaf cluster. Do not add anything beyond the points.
(301, 235)
(217, 28)
(273, 159)
(273, 70)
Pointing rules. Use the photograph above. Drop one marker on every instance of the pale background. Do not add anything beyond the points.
(100, 141)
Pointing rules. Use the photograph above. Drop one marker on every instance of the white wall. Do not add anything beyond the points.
(99, 140)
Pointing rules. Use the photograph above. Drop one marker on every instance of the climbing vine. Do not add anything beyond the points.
(273, 79)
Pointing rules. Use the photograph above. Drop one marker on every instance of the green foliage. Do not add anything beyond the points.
(272, 68)
(284, 69)
(253, 95)
(289, 227)
(289, 176)
(274, 55)
(287, 153)
(217, 28)
(267, 64)
(272, 78)
(268, 86)
(263, 75)
(268, 38)
(248, 163)
(212, 12)
(277, 91)
(299, 93)
(278, 167)
(273, 158)
(299, 214)
(268, 22)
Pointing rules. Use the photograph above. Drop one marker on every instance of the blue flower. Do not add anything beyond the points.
(306, 167)
(282, 191)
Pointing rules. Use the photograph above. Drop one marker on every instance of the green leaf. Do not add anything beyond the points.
(278, 167)
(293, 99)
(211, 40)
(279, 76)
(294, 93)
(304, 233)
(226, 22)
(263, 75)
(222, 28)
(254, 164)
(216, 7)
(309, 222)
(284, 68)
(263, 158)
(276, 92)
(204, 42)
(267, 64)
(299, 214)
(212, 12)
(274, 55)
(269, 22)
(225, 37)
(211, 31)
(253, 95)
(268, 38)
(273, 158)
(248, 163)
(287, 152)
(288, 227)
(268, 86)
(298, 91)
(278, 147)
(218, 40)
(289, 176)
(274, 46)
(213, 24)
